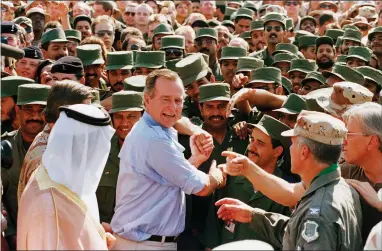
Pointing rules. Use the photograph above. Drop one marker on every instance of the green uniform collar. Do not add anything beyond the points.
(325, 177)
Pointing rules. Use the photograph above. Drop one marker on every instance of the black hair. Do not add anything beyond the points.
(325, 18)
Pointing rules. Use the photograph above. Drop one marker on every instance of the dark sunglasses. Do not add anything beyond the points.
(130, 13)
(200, 42)
(324, 6)
(28, 29)
(363, 28)
(176, 52)
(291, 3)
(270, 28)
(102, 33)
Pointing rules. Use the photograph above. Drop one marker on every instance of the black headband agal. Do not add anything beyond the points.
(85, 118)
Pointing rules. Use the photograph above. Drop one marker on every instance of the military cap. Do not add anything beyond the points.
(338, 99)
(56, 35)
(273, 128)
(360, 52)
(257, 25)
(319, 127)
(173, 41)
(301, 65)
(298, 34)
(37, 10)
(350, 26)
(345, 73)
(10, 84)
(289, 24)
(239, 2)
(73, 34)
(33, 52)
(245, 13)
(287, 84)
(341, 59)
(170, 64)
(228, 23)
(248, 64)
(150, 59)
(352, 35)
(286, 48)
(192, 68)
(371, 74)
(214, 92)
(273, 16)
(96, 100)
(283, 57)
(135, 83)
(330, 3)
(163, 29)
(308, 18)
(81, 18)
(119, 60)
(250, 5)
(245, 35)
(207, 32)
(229, 11)
(124, 101)
(213, 23)
(374, 31)
(32, 94)
(23, 20)
(266, 75)
(306, 41)
(338, 41)
(324, 40)
(293, 105)
(200, 23)
(90, 54)
(69, 65)
(314, 76)
(8, 27)
(232, 53)
(334, 33)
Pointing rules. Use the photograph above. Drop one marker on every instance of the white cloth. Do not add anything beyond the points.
(76, 154)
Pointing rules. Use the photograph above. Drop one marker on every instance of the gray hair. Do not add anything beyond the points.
(369, 118)
(326, 154)
(152, 79)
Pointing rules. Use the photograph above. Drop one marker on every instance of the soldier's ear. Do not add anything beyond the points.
(212, 78)
(278, 151)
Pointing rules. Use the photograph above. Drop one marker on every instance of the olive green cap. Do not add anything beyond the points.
(302, 65)
(9, 85)
(150, 59)
(338, 41)
(360, 52)
(119, 60)
(96, 100)
(266, 75)
(173, 41)
(298, 34)
(334, 33)
(287, 48)
(250, 5)
(135, 83)
(287, 84)
(352, 35)
(283, 57)
(170, 64)
(257, 25)
(350, 27)
(239, 2)
(73, 34)
(90, 54)
(248, 64)
(163, 29)
(246, 35)
(293, 105)
(341, 59)
(306, 41)
(289, 24)
(309, 18)
(228, 23)
(273, 128)
(228, 13)
(213, 23)
(232, 53)
(23, 20)
(207, 32)
(125, 101)
(214, 92)
(314, 76)
(274, 16)
(56, 35)
(244, 12)
(373, 31)
(324, 40)
(192, 68)
(345, 73)
(371, 74)
(32, 94)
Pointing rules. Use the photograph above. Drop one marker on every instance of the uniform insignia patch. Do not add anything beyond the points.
(310, 231)
(315, 212)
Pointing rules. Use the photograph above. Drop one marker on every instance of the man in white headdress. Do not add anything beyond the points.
(58, 208)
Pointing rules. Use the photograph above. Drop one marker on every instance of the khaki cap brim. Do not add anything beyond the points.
(289, 133)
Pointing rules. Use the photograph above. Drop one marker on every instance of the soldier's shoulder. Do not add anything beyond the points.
(257, 54)
(8, 135)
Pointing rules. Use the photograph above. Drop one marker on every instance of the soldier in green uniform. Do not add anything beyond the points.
(350, 38)
(265, 149)
(127, 109)
(162, 30)
(118, 68)
(9, 85)
(135, 83)
(328, 216)
(31, 101)
(290, 109)
(74, 37)
(94, 64)
(148, 61)
(307, 46)
(274, 29)
(373, 80)
(311, 82)
(358, 56)
(173, 46)
(213, 102)
(282, 61)
(228, 63)
(299, 68)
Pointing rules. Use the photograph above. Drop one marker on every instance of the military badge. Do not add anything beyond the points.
(310, 231)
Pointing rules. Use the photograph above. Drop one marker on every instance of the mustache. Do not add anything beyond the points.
(254, 153)
(90, 75)
(35, 121)
(215, 117)
(118, 83)
(273, 34)
(205, 51)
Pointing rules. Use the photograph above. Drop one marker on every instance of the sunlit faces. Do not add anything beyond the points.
(223, 36)
(124, 121)
(208, 8)
(196, 7)
(309, 52)
(84, 28)
(292, 7)
(12, 39)
(27, 67)
(142, 13)
(273, 32)
(58, 76)
(116, 78)
(192, 90)
(228, 68)
(258, 39)
(154, 6)
(143, 71)
(32, 119)
(308, 25)
(213, 113)
(56, 50)
(295, 155)
(325, 56)
(152, 27)
(46, 75)
(99, 11)
(376, 44)
(242, 25)
(105, 31)
(296, 77)
(182, 10)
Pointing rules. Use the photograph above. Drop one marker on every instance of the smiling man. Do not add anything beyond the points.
(27, 66)
(54, 44)
(68, 68)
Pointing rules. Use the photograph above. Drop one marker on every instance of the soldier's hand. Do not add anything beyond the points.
(367, 192)
(204, 142)
(237, 164)
(241, 129)
(241, 95)
(239, 80)
(221, 167)
(234, 210)
(216, 173)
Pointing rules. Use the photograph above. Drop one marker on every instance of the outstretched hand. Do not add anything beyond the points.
(241, 95)
(234, 210)
(236, 164)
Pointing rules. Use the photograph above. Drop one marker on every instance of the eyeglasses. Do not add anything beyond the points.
(354, 134)
(288, 3)
(276, 28)
(130, 13)
(328, 6)
(363, 28)
(200, 42)
(102, 33)
(176, 52)
(28, 29)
